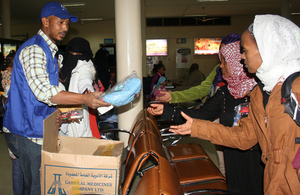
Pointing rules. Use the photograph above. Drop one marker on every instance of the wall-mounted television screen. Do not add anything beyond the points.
(111, 50)
(156, 47)
(207, 46)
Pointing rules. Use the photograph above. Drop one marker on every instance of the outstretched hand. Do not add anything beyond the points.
(92, 101)
(184, 129)
(166, 96)
(156, 109)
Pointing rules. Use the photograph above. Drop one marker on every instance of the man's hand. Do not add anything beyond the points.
(156, 109)
(92, 101)
(70, 98)
(68, 119)
(166, 97)
(184, 129)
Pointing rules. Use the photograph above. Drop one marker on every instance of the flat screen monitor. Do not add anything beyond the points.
(207, 46)
(156, 47)
(7, 47)
(111, 50)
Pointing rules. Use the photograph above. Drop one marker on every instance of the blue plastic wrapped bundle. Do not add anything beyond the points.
(123, 92)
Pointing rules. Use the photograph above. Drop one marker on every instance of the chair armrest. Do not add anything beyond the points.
(104, 132)
(208, 191)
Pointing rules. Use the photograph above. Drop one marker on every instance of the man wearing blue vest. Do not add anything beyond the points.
(34, 91)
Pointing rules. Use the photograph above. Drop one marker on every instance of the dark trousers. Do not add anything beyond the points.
(30, 161)
(17, 174)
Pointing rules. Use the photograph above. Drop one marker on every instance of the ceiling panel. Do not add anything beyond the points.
(24, 11)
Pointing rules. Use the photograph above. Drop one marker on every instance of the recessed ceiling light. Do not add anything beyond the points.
(90, 19)
(209, 0)
(194, 15)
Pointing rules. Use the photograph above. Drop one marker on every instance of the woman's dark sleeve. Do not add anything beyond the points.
(211, 110)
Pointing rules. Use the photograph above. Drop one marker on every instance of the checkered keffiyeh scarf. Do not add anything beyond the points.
(238, 83)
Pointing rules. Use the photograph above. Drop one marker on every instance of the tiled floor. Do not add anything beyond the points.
(5, 169)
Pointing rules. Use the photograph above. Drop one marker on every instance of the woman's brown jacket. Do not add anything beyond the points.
(275, 131)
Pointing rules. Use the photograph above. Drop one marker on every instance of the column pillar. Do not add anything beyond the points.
(129, 55)
(143, 18)
(286, 9)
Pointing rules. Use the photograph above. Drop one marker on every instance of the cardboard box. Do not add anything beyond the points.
(79, 165)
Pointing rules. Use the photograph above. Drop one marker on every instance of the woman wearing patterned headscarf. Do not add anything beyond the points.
(239, 165)
(218, 80)
(77, 76)
(271, 50)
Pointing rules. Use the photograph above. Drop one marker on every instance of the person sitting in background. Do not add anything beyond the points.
(158, 71)
(77, 75)
(159, 87)
(195, 77)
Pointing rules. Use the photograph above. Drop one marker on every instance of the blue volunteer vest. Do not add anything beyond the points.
(24, 114)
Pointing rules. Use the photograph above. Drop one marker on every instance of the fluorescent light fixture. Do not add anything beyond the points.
(194, 15)
(209, 0)
(90, 19)
(297, 13)
(74, 4)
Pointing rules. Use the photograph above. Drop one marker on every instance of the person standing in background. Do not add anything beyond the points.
(102, 67)
(10, 139)
(6, 74)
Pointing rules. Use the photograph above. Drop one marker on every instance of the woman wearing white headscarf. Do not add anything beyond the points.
(271, 49)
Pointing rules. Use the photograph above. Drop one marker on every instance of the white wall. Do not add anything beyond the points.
(96, 32)
(206, 63)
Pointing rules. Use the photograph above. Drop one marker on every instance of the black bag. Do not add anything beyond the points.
(2, 110)
(147, 85)
(288, 98)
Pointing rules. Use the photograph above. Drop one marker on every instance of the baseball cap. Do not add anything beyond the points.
(58, 10)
